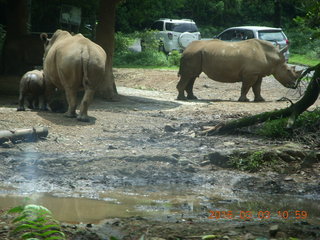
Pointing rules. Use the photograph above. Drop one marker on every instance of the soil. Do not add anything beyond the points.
(147, 138)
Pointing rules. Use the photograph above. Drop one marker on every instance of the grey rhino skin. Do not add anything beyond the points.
(32, 87)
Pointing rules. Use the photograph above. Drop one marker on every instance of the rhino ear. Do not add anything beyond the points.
(44, 37)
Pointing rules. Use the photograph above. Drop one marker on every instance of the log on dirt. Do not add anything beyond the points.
(29, 134)
(310, 96)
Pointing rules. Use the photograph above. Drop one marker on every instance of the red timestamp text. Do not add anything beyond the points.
(247, 215)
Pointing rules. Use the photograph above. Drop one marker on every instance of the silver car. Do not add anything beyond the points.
(175, 34)
(274, 35)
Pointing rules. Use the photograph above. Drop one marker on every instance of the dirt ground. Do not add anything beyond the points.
(147, 138)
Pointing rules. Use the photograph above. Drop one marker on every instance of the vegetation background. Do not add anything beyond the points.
(300, 20)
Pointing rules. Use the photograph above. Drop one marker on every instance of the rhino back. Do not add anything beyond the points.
(231, 61)
(32, 82)
(69, 58)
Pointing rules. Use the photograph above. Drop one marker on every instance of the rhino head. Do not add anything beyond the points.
(286, 75)
(48, 42)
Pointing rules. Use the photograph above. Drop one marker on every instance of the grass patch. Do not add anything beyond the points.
(303, 60)
(277, 128)
(147, 67)
(251, 161)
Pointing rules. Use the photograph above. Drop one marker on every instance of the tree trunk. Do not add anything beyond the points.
(310, 96)
(105, 36)
(17, 18)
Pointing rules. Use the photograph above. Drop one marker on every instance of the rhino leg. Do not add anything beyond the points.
(86, 100)
(186, 84)
(244, 91)
(36, 102)
(42, 103)
(181, 87)
(21, 102)
(256, 88)
(30, 100)
(189, 89)
(72, 103)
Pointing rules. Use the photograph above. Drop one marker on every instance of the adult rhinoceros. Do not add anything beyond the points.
(72, 63)
(246, 61)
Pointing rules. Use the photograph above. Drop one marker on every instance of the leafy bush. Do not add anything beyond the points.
(36, 223)
(174, 58)
(123, 41)
(302, 42)
(150, 54)
(144, 58)
(148, 40)
(277, 128)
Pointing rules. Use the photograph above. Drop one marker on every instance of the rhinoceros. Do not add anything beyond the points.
(72, 63)
(245, 61)
(32, 87)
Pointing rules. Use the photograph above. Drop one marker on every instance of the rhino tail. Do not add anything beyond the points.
(85, 65)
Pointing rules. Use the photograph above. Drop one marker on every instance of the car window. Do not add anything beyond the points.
(157, 26)
(228, 35)
(247, 34)
(271, 35)
(181, 27)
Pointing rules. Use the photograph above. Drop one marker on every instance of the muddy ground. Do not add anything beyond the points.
(147, 138)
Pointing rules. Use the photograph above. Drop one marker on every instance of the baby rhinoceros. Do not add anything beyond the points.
(33, 89)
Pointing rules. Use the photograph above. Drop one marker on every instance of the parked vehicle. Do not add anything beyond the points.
(175, 34)
(274, 35)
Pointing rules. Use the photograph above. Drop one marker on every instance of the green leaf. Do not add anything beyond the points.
(17, 209)
(19, 218)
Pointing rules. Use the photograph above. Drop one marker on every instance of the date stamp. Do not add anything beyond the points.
(262, 215)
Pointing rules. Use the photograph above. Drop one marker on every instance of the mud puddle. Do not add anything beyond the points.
(174, 203)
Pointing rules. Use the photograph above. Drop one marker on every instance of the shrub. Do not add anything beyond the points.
(123, 41)
(144, 58)
(302, 42)
(174, 58)
(277, 128)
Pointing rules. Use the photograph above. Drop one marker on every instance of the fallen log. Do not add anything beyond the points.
(292, 112)
(29, 135)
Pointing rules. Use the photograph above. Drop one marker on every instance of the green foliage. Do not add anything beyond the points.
(174, 58)
(303, 60)
(144, 58)
(277, 128)
(248, 162)
(303, 43)
(148, 38)
(122, 42)
(36, 223)
(150, 54)
(209, 31)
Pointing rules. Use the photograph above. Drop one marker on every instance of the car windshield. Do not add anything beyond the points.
(271, 35)
(181, 27)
